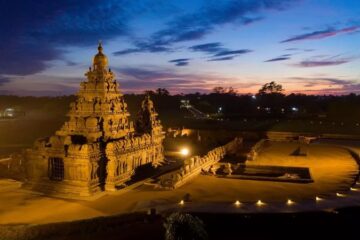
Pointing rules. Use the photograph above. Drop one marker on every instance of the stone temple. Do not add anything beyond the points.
(98, 148)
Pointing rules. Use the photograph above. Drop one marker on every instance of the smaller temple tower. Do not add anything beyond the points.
(147, 121)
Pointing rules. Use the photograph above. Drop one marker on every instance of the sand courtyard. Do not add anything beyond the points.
(332, 169)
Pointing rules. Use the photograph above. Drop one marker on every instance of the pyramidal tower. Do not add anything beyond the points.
(98, 148)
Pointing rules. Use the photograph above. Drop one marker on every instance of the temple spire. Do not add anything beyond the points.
(100, 48)
(100, 60)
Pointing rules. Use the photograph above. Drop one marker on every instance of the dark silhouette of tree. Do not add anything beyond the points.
(162, 92)
(271, 99)
(231, 91)
(222, 90)
(219, 90)
(270, 88)
(180, 226)
(149, 92)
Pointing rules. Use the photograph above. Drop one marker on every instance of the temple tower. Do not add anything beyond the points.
(99, 112)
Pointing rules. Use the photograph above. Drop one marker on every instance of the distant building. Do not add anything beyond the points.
(11, 113)
(97, 149)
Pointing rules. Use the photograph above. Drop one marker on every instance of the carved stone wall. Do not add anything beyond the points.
(194, 166)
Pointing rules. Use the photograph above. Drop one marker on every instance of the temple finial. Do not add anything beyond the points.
(100, 60)
(100, 48)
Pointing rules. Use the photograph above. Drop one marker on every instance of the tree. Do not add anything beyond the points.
(149, 92)
(162, 92)
(231, 91)
(179, 226)
(222, 90)
(271, 88)
(219, 90)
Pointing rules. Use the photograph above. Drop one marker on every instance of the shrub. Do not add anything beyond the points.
(182, 226)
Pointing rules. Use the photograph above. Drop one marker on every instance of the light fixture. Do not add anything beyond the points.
(290, 202)
(237, 203)
(340, 195)
(182, 202)
(318, 199)
(184, 151)
(260, 203)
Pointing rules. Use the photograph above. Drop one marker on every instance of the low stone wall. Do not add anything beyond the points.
(294, 136)
(255, 150)
(195, 165)
(255, 135)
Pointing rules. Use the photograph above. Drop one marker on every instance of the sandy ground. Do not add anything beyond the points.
(332, 168)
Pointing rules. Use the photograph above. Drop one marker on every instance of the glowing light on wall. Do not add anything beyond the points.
(340, 195)
(318, 199)
(260, 203)
(290, 202)
(184, 151)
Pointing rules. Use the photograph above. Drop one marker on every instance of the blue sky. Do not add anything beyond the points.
(309, 46)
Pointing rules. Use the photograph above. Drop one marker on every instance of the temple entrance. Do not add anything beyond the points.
(56, 169)
(142, 172)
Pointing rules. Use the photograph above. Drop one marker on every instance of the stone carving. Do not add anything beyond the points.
(252, 155)
(227, 169)
(97, 149)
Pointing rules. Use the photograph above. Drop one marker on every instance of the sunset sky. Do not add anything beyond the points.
(309, 46)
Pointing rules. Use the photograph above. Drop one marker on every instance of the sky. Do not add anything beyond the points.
(186, 46)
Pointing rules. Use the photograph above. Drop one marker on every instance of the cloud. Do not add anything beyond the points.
(41, 85)
(321, 63)
(4, 80)
(324, 61)
(143, 47)
(145, 74)
(211, 48)
(330, 32)
(196, 25)
(180, 62)
(35, 32)
(70, 63)
(218, 52)
(221, 59)
(137, 79)
(292, 49)
(140, 78)
(299, 49)
(283, 57)
(278, 59)
(313, 81)
(327, 85)
(232, 52)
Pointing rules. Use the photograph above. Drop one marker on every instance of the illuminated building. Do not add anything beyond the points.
(98, 148)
